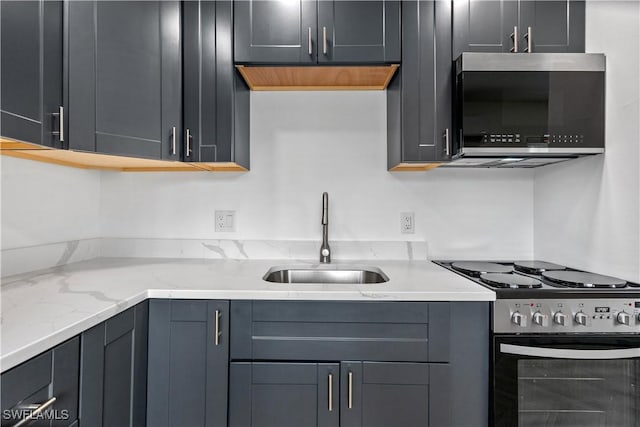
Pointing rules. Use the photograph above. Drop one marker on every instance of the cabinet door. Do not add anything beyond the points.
(556, 26)
(275, 31)
(216, 99)
(358, 31)
(381, 394)
(114, 370)
(284, 394)
(31, 70)
(188, 363)
(483, 25)
(54, 373)
(419, 97)
(124, 77)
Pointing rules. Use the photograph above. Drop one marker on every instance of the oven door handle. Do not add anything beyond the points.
(566, 353)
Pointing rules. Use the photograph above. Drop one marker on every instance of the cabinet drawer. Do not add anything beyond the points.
(54, 373)
(329, 331)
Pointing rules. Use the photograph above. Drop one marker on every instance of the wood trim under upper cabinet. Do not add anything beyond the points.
(414, 167)
(266, 78)
(84, 160)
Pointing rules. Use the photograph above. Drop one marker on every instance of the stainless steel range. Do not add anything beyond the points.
(565, 344)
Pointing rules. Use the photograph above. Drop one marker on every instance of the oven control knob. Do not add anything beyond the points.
(560, 318)
(581, 318)
(538, 318)
(623, 318)
(519, 319)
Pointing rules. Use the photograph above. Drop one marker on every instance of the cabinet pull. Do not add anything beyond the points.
(447, 142)
(217, 335)
(188, 153)
(60, 115)
(324, 40)
(350, 390)
(61, 112)
(330, 392)
(173, 141)
(310, 45)
(35, 412)
(528, 37)
(514, 37)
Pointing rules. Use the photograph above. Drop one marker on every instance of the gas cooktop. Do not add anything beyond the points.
(526, 279)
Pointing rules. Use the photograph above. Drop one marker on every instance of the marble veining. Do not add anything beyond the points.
(44, 308)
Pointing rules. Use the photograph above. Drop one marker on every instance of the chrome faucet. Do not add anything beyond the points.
(325, 251)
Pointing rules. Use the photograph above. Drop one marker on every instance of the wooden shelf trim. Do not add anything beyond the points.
(414, 167)
(268, 78)
(97, 161)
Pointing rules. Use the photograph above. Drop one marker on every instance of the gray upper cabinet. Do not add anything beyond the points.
(419, 97)
(113, 381)
(358, 31)
(52, 374)
(274, 31)
(31, 71)
(309, 32)
(124, 77)
(188, 363)
(215, 97)
(503, 26)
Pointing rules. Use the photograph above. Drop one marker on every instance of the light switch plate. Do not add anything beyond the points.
(225, 221)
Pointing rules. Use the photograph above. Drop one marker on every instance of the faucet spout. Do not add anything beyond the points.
(325, 251)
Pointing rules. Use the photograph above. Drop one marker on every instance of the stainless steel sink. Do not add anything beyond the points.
(326, 274)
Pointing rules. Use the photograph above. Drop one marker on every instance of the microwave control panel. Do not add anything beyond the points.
(616, 315)
(532, 140)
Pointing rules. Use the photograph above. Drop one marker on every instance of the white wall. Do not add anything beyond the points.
(304, 143)
(587, 212)
(43, 203)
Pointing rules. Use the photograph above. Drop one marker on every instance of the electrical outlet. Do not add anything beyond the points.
(407, 223)
(225, 221)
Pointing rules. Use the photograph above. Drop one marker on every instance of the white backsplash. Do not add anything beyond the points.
(587, 211)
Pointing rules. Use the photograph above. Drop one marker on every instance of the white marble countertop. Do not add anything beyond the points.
(45, 308)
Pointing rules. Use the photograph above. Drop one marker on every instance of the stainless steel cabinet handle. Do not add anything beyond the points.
(514, 37)
(447, 142)
(567, 353)
(310, 45)
(217, 331)
(324, 40)
(330, 392)
(350, 390)
(528, 37)
(173, 141)
(188, 153)
(35, 412)
(61, 112)
(60, 115)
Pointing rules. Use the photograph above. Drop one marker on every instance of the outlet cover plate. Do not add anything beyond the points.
(225, 221)
(407, 223)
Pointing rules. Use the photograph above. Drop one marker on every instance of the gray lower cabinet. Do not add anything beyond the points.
(124, 77)
(188, 363)
(53, 374)
(347, 394)
(419, 106)
(31, 71)
(309, 32)
(323, 363)
(215, 97)
(488, 26)
(113, 384)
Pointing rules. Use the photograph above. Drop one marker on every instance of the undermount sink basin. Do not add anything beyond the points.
(326, 274)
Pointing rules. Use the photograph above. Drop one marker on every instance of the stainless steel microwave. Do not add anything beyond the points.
(527, 110)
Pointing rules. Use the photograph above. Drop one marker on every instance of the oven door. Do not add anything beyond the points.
(566, 381)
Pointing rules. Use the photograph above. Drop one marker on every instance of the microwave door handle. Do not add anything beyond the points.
(565, 353)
